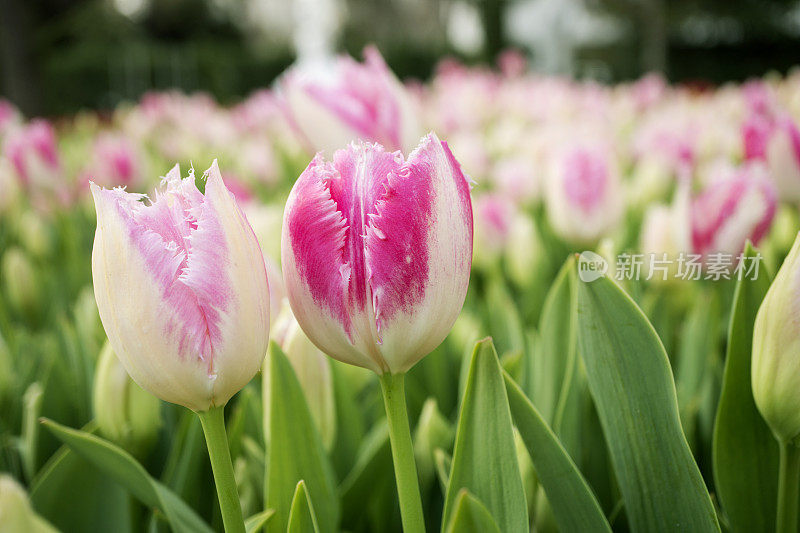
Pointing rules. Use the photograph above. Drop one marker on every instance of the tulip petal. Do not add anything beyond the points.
(372, 238)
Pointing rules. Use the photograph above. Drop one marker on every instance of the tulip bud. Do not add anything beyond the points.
(34, 234)
(583, 194)
(181, 289)
(20, 283)
(525, 256)
(124, 412)
(334, 104)
(376, 252)
(16, 514)
(313, 371)
(776, 344)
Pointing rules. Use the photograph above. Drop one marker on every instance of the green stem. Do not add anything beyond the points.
(213, 422)
(788, 487)
(405, 468)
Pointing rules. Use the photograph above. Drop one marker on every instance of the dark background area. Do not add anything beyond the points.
(61, 56)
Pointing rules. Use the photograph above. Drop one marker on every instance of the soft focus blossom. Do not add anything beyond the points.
(182, 289)
(775, 140)
(733, 208)
(583, 193)
(494, 216)
(335, 103)
(115, 161)
(376, 252)
(33, 153)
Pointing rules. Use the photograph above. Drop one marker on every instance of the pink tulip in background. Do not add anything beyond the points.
(732, 209)
(115, 160)
(33, 154)
(335, 103)
(776, 141)
(583, 193)
(181, 289)
(376, 252)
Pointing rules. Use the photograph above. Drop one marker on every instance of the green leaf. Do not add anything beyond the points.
(471, 516)
(373, 463)
(256, 523)
(120, 466)
(301, 515)
(295, 451)
(574, 506)
(631, 382)
(484, 458)
(349, 421)
(745, 454)
(443, 461)
(698, 352)
(73, 496)
(554, 353)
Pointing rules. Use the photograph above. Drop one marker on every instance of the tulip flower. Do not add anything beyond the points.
(583, 194)
(777, 142)
(494, 216)
(776, 379)
(333, 104)
(34, 156)
(376, 255)
(182, 292)
(114, 161)
(736, 206)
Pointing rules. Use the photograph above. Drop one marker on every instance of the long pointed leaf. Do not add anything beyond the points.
(745, 454)
(631, 382)
(471, 516)
(123, 468)
(574, 506)
(484, 458)
(295, 451)
(301, 516)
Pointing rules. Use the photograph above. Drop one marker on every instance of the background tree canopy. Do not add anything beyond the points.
(60, 56)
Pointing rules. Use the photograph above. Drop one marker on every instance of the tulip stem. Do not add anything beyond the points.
(788, 485)
(213, 422)
(405, 467)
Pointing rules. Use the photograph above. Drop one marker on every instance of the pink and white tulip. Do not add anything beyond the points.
(376, 252)
(732, 209)
(334, 104)
(182, 289)
(777, 142)
(115, 161)
(584, 196)
(33, 153)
